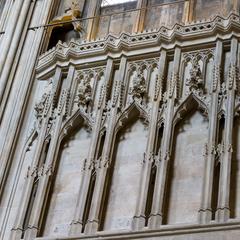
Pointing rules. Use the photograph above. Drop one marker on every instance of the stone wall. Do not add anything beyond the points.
(67, 183)
(131, 136)
(118, 18)
(182, 204)
(129, 149)
(163, 15)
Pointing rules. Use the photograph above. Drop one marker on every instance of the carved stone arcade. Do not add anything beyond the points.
(152, 98)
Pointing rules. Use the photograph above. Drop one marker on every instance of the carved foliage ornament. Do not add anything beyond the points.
(87, 82)
(195, 81)
(84, 91)
(40, 106)
(140, 81)
(139, 86)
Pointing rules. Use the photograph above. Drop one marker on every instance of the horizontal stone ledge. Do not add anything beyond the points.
(133, 42)
(212, 231)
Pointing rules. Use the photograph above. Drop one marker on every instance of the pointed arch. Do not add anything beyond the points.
(124, 172)
(78, 118)
(190, 103)
(133, 110)
(71, 153)
(186, 165)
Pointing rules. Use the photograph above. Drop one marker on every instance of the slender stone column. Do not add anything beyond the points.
(223, 211)
(205, 212)
(4, 16)
(159, 188)
(16, 10)
(93, 220)
(139, 23)
(12, 59)
(26, 194)
(17, 229)
(139, 218)
(93, 11)
(14, 112)
(15, 33)
(77, 223)
(48, 167)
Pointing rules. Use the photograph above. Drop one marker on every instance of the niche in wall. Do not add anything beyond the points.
(62, 203)
(125, 176)
(186, 171)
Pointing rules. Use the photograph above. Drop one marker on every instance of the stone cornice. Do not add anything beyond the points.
(165, 231)
(76, 49)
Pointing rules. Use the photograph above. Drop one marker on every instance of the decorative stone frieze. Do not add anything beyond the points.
(64, 51)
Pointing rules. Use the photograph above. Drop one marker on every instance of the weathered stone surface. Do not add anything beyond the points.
(187, 170)
(134, 135)
(130, 147)
(67, 183)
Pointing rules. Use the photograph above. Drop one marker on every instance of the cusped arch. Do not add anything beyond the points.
(132, 111)
(77, 119)
(190, 103)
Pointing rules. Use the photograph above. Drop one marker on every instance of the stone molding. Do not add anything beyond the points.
(165, 231)
(80, 49)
